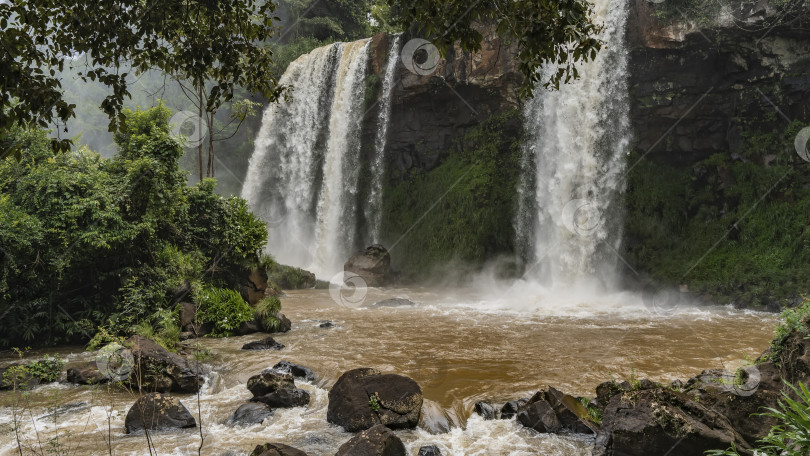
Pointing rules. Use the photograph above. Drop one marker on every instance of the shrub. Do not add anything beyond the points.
(88, 242)
(286, 277)
(267, 311)
(48, 369)
(791, 321)
(223, 308)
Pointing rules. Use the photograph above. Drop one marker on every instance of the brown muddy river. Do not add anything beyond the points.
(460, 347)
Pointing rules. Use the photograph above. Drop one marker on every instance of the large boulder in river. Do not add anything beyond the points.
(85, 373)
(376, 441)
(297, 370)
(373, 266)
(741, 396)
(157, 369)
(249, 413)
(550, 410)
(277, 390)
(276, 449)
(655, 421)
(158, 412)
(364, 397)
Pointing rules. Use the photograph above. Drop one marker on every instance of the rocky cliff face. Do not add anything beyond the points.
(699, 78)
(709, 83)
(432, 111)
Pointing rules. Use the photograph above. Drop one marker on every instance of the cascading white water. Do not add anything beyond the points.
(373, 210)
(569, 221)
(303, 175)
(336, 206)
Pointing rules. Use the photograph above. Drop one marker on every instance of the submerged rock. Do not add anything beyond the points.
(364, 397)
(373, 266)
(297, 370)
(326, 324)
(429, 450)
(268, 343)
(276, 449)
(510, 409)
(486, 410)
(284, 398)
(156, 411)
(393, 302)
(249, 413)
(375, 441)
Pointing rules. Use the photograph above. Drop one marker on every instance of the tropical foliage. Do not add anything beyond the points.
(87, 241)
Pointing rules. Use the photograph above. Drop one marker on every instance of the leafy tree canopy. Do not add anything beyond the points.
(86, 241)
(203, 40)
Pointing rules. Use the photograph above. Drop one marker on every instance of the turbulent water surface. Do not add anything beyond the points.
(460, 347)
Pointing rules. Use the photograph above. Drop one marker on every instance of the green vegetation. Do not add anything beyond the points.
(472, 199)
(337, 20)
(704, 13)
(87, 242)
(162, 327)
(267, 311)
(374, 402)
(287, 53)
(223, 308)
(214, 46)
(559, 33)
(46, 370)
(283, 277)
(594, 413)
(791, 436)
(733, 228)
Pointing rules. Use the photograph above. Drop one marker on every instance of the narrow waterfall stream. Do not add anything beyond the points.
(374, 204)
(569, 219)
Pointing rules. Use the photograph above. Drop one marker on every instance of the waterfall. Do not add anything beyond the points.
(303, 176)
(569, 221)
(373, 210)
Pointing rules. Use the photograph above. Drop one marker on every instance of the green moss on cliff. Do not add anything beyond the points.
(462, 210)
(737, 229)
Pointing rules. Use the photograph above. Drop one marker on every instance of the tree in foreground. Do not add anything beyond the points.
(216, 45)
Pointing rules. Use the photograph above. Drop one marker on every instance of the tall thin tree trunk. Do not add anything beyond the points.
(199, 127)
(211, 154)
